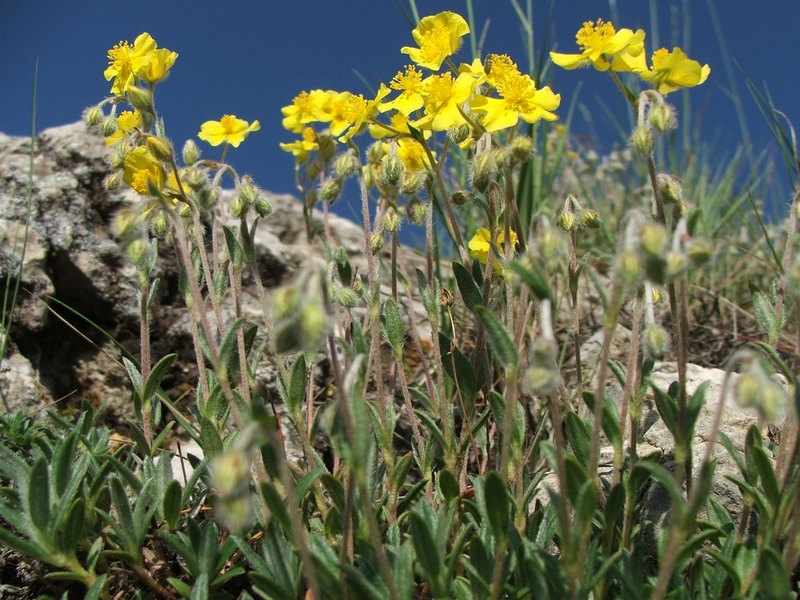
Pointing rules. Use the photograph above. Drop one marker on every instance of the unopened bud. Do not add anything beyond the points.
(136, 251)
(669, 187)
(313, 322)
(392, 168)
(230, 473)
(159, 147)
(346, 165)
(194, 177)
(677, 263)
(191, 153)
(655, 341)
(567, 220)
(141, 100)
(520, 150)
(346, 297)
(327, 146)
(629, 266)
(159, 225)
(484, 171)
(238, 207)
(376, 152)
(642, 140)
(653, 238)
(285, 301)
(391, 220)
(113, 181)
(589, 218)
(263, 206)
(416, 211)
(757, 389)
(699, 251)
(540, 380)
(662, 117)
(92, 116)
(124, 223)
(460, 197)
(248, 191)
(108, 127)
(414, 182)
(376, 241)
(330, 190)
(459, 134)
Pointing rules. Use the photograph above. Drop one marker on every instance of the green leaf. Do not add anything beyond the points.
(227, 350)
(579, 435)
(535, 279)
(277, 504)
(71, 531)
(459, 369)
(403, 571)
(235, 250)
(173, 495)
(769, 481)
(39, 495)
(495, 492)
(449, 486)
(700, 492)
(667, 409)
(499, 338)
(210, 440)
(431, 558)
(157, 374)
(297, 385)
(62, 463)
(392, 325)
(95, 592)
(468, 287)
(646, 469)
(773, 580)
(135, 376)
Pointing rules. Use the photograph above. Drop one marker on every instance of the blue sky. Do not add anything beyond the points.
(250, 57)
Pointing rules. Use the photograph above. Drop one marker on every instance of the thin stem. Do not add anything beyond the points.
(144, 345)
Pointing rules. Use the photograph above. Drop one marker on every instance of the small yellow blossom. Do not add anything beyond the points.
(229, 129)
(306, 107)
(125, 61)
(140, 167)
(302, 147)
(605, 48)
(438, 37)
(479, 245)
(444, 100)
(674, 70)
(359, 111)
(413, 155)
(158, 66)
(409, 84)
(336, 109)
(127, 121)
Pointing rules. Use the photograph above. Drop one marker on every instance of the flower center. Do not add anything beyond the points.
(593, 36)
(228, 123)
(440, 89)
(409, 81)
(139, 182)
(120, 56)
(516, 91)
(435, 43)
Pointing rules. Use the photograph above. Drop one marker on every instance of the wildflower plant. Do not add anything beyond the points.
(457, 454)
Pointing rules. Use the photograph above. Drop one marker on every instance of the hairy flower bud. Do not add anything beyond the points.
(669, 188)
(136, 251)
(392, 168)
(141, 100)
(248, 191)
(519, 151)
(629, 266)
(757, 389)
(376, 152)
(699, 251)
(330, 190)
(484, 171)
(653, 238)
(92, 116)
(159, 225)
(124, 223)
(376, 241)
(285, 301)
(346, 297)
(230, 473)
(238, 207)
(263, 206)
(662, 117)
(108, 127)
(567, 220)
(159, 147)
(416, 211)
(113, 181)
(589, 218)
(190, 153)
(459, 134)
(655, 341)
(414, 182)
(346, 165)
(391, 220)
(677, 263)
(460, 197)
(642, 140)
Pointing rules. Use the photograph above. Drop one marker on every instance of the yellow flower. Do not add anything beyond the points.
(413, 155)
(127, 121)
(674, 70)
(229, 129)
(336, 109)
(359, 111)
(604, 47)
(158, 66)
(518, 97)
(302, 147)
(444, 98)
(126, 61)
(141, 167)
(438, 37)
(306, 107)
(479, 246)
(409, 84)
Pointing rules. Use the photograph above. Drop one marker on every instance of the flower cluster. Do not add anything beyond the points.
(605, 48)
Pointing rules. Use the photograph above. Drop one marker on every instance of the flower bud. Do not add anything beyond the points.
(416, 211)
(459, 134)
(346, 165)
(285, 301)
(141, 100)
(263, 206)
(757, 389)
(699, 251)
(108, 127)
(446, 298)
(346, 297)
(629, 266)
(159, 225)
(230, 473)
(159, 147)
(460, 197)
(238, 207)
(589, 218)
(92, 116)
(330, 190)
(484, 171)
(520, 150)
(669, 188)
(191, 153)
(414, 182)
(655, 341)
(567, 220)
(376, 241)
(653, 238)
(542, 381)
(327, 146)
(662, 117)
(136, 251)
(642, 140)
(248, 191)
(391, 220)
(313, 322)
(677, 263)
(376, 152)
(392, 168)
(194, 177)
(113, 181)
(657, 295)
(124, 223)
